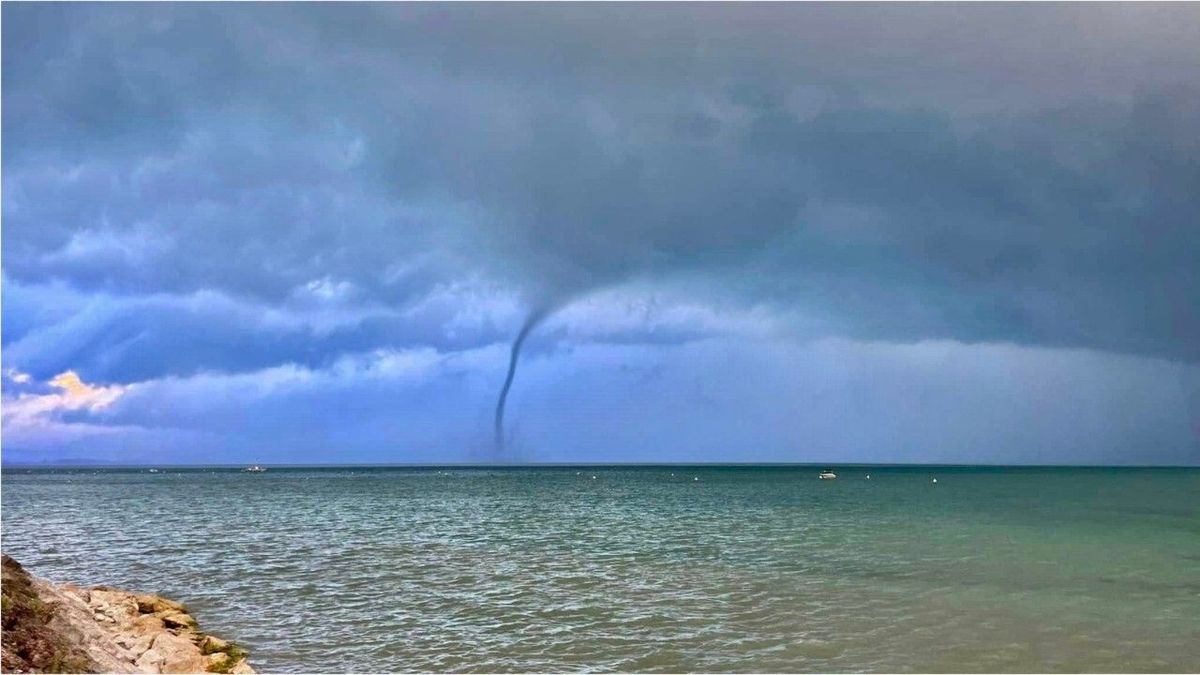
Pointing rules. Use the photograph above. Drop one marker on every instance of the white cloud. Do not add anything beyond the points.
(30, 417)
(18, 377)
(107, 246)
(325, 290)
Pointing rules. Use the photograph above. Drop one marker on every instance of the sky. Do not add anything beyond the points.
(308, 233)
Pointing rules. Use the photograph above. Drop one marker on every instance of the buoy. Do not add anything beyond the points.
(696, 478)
(935, 480)
(868, 476)
(593, 478)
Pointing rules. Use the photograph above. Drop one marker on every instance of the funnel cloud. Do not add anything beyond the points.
(535, 317)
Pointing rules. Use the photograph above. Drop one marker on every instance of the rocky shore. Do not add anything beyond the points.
(64, 628)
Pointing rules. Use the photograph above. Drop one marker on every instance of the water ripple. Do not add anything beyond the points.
(639, 570)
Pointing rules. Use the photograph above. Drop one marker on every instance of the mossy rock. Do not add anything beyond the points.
(223, 656)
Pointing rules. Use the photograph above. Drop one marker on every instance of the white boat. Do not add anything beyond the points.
(254, 469)
(827, 475)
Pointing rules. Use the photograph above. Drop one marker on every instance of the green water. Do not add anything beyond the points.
(645, 569)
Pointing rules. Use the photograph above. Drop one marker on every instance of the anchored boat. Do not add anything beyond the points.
(827, 474)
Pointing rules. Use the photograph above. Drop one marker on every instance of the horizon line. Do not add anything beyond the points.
(551, 465)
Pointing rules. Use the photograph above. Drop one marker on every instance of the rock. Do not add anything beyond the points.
(149, 662)
(151, 604)
(149, 624)
(180, 655)
(30, 643)
(178, 621)
(136, 644)
(104, 630)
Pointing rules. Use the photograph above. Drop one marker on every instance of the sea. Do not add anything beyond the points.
(645, 568)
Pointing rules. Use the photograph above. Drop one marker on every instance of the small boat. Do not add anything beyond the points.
(254, 469)
(153, 470)
(827, 475)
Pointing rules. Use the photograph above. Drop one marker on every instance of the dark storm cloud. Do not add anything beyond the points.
(994, 172)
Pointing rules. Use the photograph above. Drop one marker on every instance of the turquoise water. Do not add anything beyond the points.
(644, 569)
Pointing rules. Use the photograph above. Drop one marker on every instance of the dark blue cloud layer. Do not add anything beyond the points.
(253, 149)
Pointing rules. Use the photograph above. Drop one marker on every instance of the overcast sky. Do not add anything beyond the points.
(284, 233)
